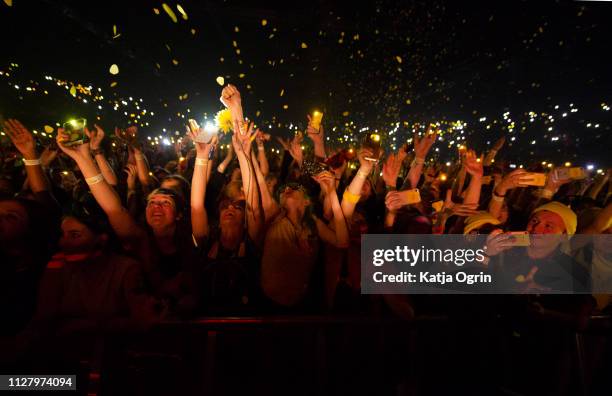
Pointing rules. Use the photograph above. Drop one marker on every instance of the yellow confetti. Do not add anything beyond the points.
(408, 101)
(398, 59)
(170, 13)
(264, 22)
(113, 84)
(221, 80)
(304, 45)
(224, 120)
(9, 2)
(282, 92)
(237, 51)
(221, 59)
(235, 44)
(175, 62)
(258, 113)
(356, 37)
(182, 11)
(285, 107)
(156, 11)
(193, 31)
(48, 128)
(73, 90)
(236, 29)
(346, 113)
(114, 30)
(114, 69)
(241, 75)
(158, 65)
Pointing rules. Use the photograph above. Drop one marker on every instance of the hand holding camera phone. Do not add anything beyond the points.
(75, 129)
(372, 142)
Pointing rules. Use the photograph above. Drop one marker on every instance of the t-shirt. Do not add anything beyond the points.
(288, 262)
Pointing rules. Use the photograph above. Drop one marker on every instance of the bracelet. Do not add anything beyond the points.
(546, 194)
(94, 179)
(363, 174)
(497, 198)
(31, 162)
(417, 161)
(97, 151)
(350, 197)
(201, 161)
(498, 195)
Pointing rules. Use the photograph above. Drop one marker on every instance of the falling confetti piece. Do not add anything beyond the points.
(158, 65)
(346, 113)
(264, 22)
(73, 90)
(236, 29)
(398, 59)
(175, 62)
(182, 11)
(282, 92)
(235, 44)
(285, 107)
(221, 80)
(408, 101)
(170, 13)
(193, 31)
(114, 30)
(114, 69)
(156, 11)
(241, 75)
(258, 113)
(221, 59)
(9, 2)
(113, 84)
(304, 45)
(48, 128)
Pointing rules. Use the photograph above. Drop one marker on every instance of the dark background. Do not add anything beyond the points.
(459, 61)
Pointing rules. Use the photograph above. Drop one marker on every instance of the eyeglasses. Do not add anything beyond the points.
(237, 204)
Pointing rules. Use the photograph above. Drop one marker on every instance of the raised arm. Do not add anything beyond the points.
(510, 181)
(421, 148)
(473, 166)
(261, 154)
(601, 223)
(318, 140)
(268, 203)
(488, 160)
(95, 140)
(123, 224)
(199, 180)
(352, 194)
(23, 140)
(339, 236)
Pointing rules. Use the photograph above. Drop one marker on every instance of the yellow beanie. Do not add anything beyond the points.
(569, 217)
(479, 219)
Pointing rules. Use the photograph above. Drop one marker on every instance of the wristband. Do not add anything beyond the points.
(350, 197)
(201, 161)
(418, 161)
(94, 179)
(546, 194)
(33, 162)
(497, 198)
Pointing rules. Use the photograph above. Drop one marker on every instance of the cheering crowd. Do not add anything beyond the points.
(115, 239)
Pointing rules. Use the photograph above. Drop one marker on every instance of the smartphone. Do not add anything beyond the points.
(204, 135)
(411, 196)
(315, 120)
(75, 129)
(533, 179)
(312, 168)
(521, 238)
(569, 173)
(372, 142)
(437, 205)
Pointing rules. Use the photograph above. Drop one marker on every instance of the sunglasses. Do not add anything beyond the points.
(237, 204)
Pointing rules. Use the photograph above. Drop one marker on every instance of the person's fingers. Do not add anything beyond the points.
(88, 133)
(20, 126)
(309, 119)
(449, 196)
(99, 130)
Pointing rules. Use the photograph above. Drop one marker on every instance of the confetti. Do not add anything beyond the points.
(264, 22)
(285, 107)
(193, 31)
(9, 2)
(156, 11)
(282, 92)
(175, 62)
(398, 59)
(114, 69)
(73, 91)
(48, 128)
(113, 84)
(182, 11)
(220, 80)
(304, 45)
(170, 13)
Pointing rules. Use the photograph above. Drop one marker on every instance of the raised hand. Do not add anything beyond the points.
(230, 97)
(474, 164)
(77, 152)
(327, 182)
(202, 149)
(497, 242)
(423, 145)
(363, 162)
(452, 209)
(48, 156)
(132, 173)
(95, 137)
(22, 138)
(391, 168)
(512, 180)
(316, 135)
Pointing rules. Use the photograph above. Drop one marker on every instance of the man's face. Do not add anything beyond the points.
(542, 226)
(77, 237)
(161, 211)
(13, 221)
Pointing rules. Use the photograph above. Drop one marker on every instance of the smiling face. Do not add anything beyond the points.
(13, 221)
(78, 238)
(161, 211)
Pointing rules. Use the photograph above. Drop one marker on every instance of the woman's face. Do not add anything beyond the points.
(231, 213)
(271, 183)
(13, 221)
(161, 211)
(77, 237)
(292, 197)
